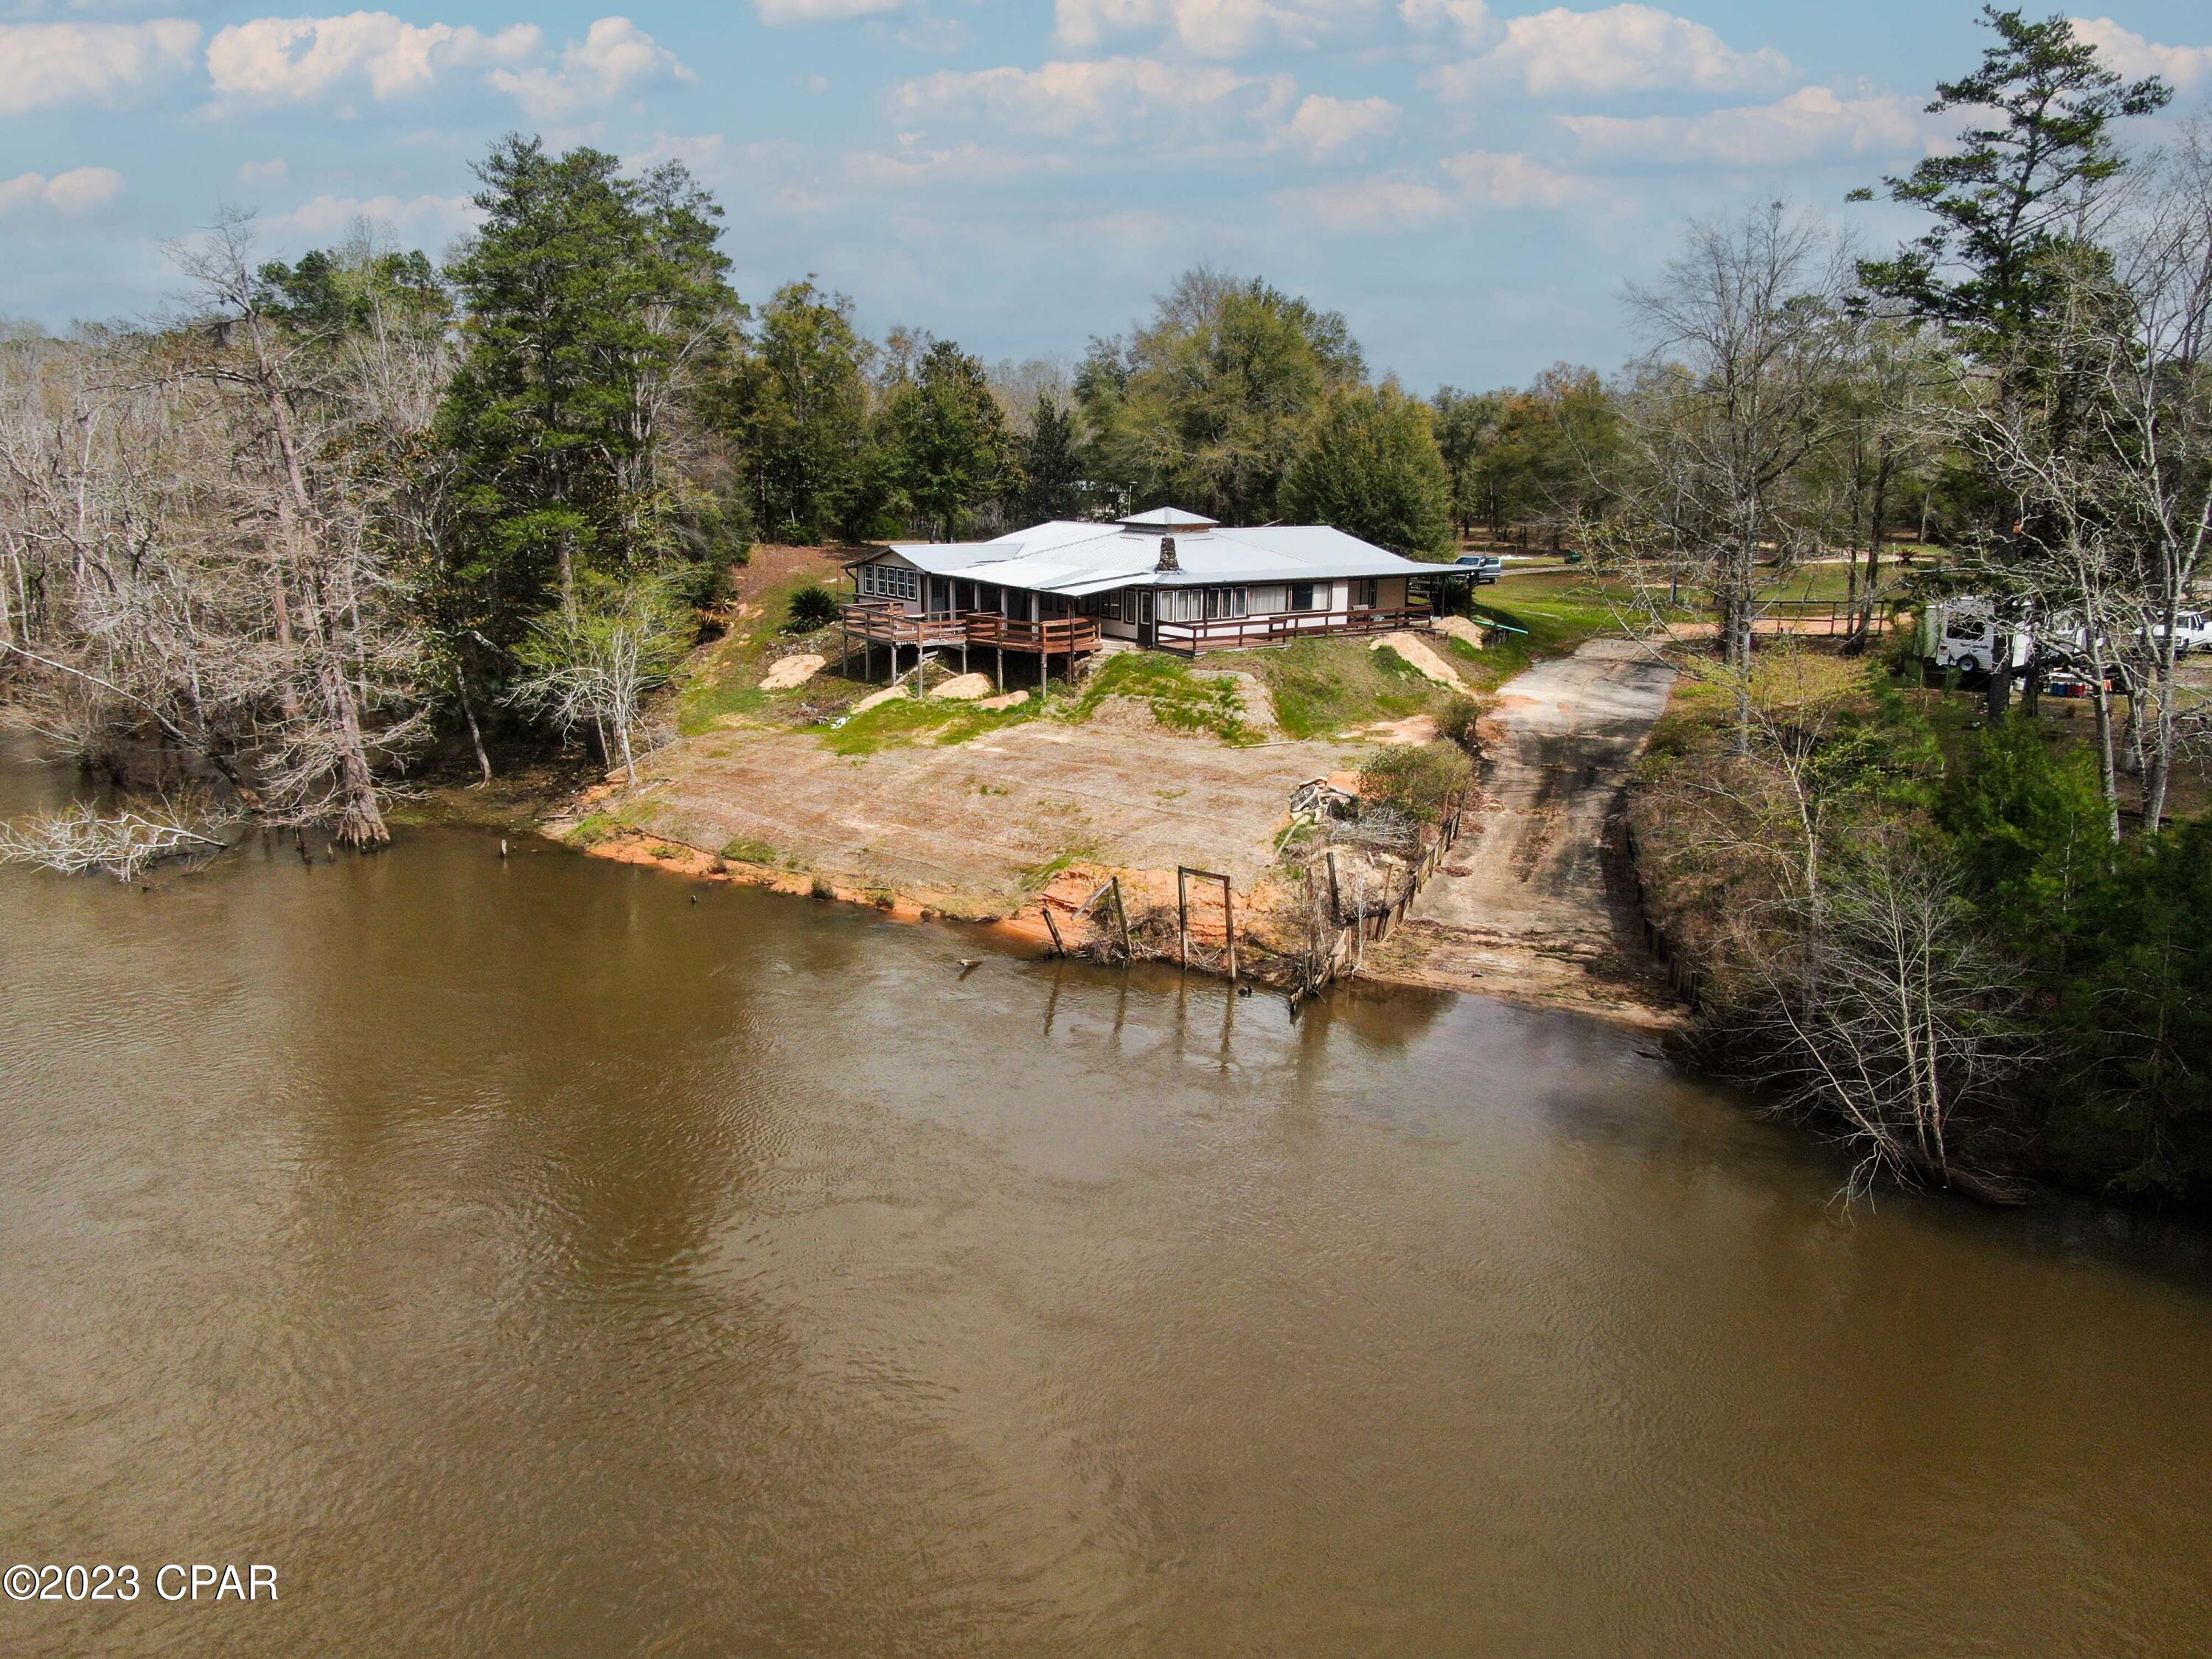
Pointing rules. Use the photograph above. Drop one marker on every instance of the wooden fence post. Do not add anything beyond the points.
(1183, 915)
(1335, 897)
(1045, 909)
(1121, 918)
(1229, 924)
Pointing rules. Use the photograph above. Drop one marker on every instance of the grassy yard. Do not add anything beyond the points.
(1181, 699)
(1558, 609)
(725, 677)
(907, 720)
(1324, 686)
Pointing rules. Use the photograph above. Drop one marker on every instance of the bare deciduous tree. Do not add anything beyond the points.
(592, 663)
(1748, 331)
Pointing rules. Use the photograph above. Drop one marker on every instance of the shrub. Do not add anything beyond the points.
(1420, 780)
(1457, 720)
(812, 607)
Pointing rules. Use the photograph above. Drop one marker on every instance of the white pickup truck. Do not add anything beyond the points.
(2192, 631)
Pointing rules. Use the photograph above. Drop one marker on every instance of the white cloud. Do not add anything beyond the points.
(1388, 203)
(296, 59)
(421, 219)
(253, 172)
(936, 34)
(1807, 125)
(2133, 55)
(1112, 100)
(1487, 179)
(780, 13)
(1466, 21)
(1621, 49)
(911, 164)
(79, 190)
(1457, 186)
(44, 65)
(1324, 126)
(1213, 28)
(614, 58)
(278, 60)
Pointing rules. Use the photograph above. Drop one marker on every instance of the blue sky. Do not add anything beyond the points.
(1471, 184)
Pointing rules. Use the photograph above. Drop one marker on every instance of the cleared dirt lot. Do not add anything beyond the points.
(1531, 907)
(970, 827)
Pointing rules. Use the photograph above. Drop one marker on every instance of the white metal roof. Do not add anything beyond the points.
(1076, 558)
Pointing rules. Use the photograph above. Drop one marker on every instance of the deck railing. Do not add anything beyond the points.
(1054, 634)
(887, 623)
(1234, 633)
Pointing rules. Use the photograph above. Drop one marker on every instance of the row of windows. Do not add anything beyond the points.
(890, 581)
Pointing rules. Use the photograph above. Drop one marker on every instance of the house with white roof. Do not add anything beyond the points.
(1167, 579)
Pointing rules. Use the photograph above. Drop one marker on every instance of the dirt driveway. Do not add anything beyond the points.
(967, 827)
(1535, 912)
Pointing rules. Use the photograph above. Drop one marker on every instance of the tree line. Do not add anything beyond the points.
(1975, 947)
(323, 512)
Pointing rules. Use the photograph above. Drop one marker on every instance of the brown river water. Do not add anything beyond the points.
(524, 1259)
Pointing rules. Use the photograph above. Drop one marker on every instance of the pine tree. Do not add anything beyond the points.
(1052, 464)
(948, 438)
(1370, 468)
(591, 300)
(797, 403)
(2014, 193)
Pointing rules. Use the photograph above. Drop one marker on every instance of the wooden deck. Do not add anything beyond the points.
(1241, 633)
(884, 622)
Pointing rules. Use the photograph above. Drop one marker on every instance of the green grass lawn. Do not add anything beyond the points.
(724, 678)
(906, 721)
(1559, 610)
(1179, 699)
(1323, 686)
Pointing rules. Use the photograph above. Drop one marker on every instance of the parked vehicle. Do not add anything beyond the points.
(2192, 631)
(1487, 567)
(1963, 634)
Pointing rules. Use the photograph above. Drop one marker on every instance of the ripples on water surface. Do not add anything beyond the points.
(528, 1260)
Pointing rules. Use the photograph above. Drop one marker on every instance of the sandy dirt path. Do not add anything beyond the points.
(1532, 905)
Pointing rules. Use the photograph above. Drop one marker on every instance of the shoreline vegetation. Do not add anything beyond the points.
(568, 501)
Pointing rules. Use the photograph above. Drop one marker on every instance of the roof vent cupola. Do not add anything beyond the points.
(1168, 521)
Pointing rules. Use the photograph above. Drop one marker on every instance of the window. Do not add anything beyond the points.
(1302, 596)
(1366, 592)
(890, 581)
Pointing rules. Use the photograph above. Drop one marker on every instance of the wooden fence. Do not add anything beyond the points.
(1340, 956)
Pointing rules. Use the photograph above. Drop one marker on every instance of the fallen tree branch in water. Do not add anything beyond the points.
(83, 841)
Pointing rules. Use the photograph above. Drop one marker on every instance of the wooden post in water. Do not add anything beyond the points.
(1044, 907)
(1229, 924)
(1183, 915)
(1335, 897)
(1122, 919)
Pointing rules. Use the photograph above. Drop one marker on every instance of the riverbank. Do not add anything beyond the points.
(1539, 909)
(1002, 824)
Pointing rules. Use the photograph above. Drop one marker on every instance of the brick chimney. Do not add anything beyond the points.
(1166, 554)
